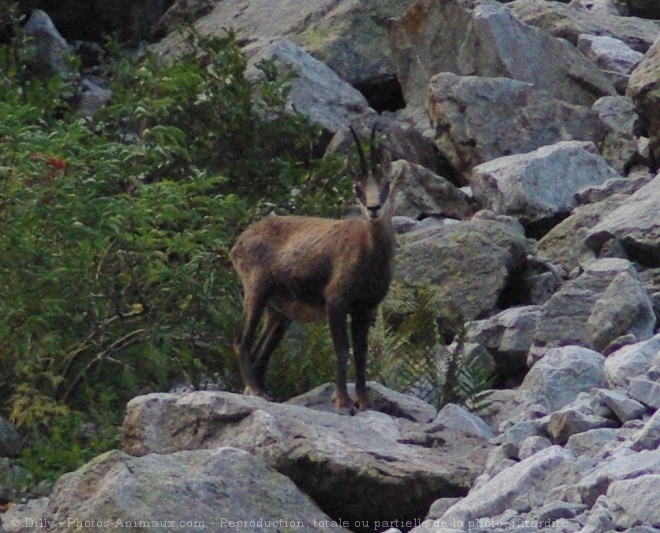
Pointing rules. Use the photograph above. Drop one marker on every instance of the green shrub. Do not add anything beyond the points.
(114, 232)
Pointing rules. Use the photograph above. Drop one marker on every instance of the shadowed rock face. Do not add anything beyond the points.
(132, 20)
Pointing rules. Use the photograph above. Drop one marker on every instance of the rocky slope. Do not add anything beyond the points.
(528, 136)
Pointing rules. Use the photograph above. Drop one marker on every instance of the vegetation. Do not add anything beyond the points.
(409, 353)
(115, 230)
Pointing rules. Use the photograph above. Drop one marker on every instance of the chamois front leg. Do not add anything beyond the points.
(337, 323)
(360, 323)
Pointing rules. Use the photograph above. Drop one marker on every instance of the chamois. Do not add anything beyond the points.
(311, 269)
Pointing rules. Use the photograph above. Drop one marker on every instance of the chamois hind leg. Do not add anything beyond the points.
(275, 326)
(254, 303)
(337, 323)
(360, 323)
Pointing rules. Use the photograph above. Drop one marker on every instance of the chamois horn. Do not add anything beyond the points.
(373, 153)
(363, 161)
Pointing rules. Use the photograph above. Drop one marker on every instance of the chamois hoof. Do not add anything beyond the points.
(344, 404)
(364, 405)
(254, 391)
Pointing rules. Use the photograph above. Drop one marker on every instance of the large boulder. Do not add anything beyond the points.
(421, 193)
(556, 379)
(217, 489)
(644, 89)
(605, 303)
(613, 56)
(50, 49)
(519, 488)
(619, 146)
(477, 119)
(564, 244)
(348, 35)
(482, 38)
(634, 501)
(316, 91)
(635, 225)
(540, 185)
(467, 265)
(569, 23)
(508, 336)
(323, 453)
(632, 361)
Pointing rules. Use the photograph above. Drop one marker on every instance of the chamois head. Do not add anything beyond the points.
(372, 182)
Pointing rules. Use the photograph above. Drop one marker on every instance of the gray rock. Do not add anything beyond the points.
(10, 441)
(557, 378)
(558, 511)
(635, 224)
(421, 193)
(612, 55)
(617, 187)
(384, 400)
(566, 423)
(349, 35)
(623, 309)
(599, 7)
(51, 50)
(508, 336)
(520, 487)
(635, 501)
(541, 184)
(645, 391)
(564, 244)
(437, 257)
(622, 406)
(478, 119)
(615, 468)
(599, 519)
(316, 91)
(619, 146)
(24, 517)
(540, 280)
(323, 453)
(591, 442)
(643, 89)
(532, 445)
(517, 434)
(591, 311)
(224, 487)
(456, 417)
(92, 98)
(631, 362)
(569, 23)
(481, 38)
(649, 437)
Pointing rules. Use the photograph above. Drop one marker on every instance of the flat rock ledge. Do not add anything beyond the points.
(394, 464)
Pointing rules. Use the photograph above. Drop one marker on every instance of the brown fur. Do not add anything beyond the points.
(313, 269)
